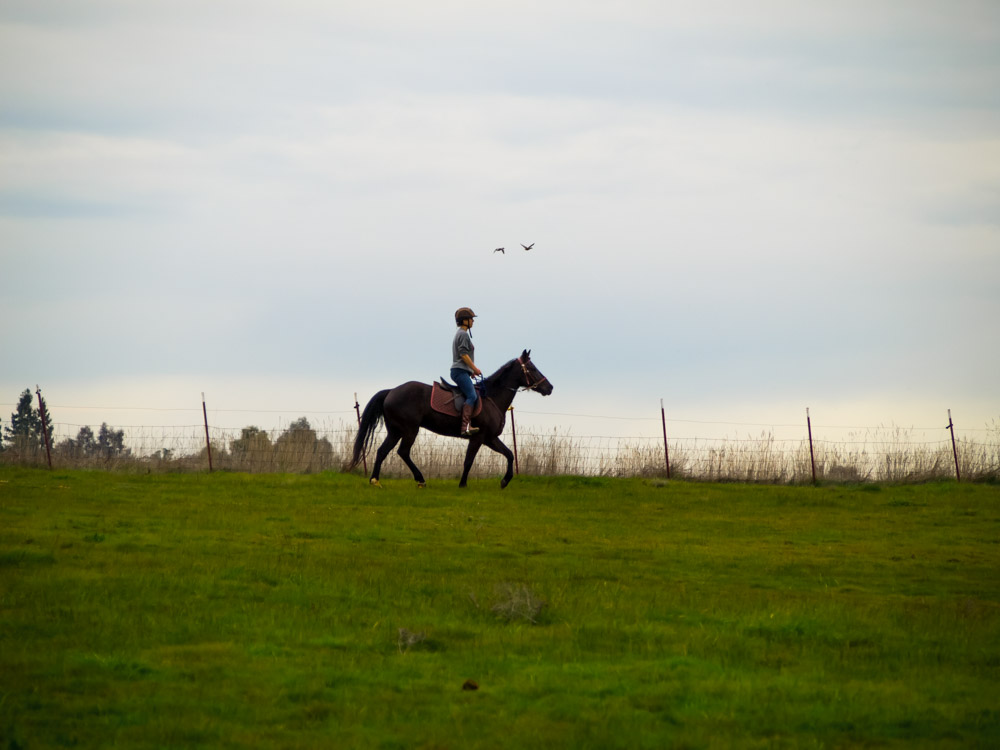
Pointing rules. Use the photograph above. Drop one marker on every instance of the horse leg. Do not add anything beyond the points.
(495, 443)
(470, 455)
(383, 450)
(404, 453)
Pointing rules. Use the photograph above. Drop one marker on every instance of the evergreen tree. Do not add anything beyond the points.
(44, 420)
(25, 430)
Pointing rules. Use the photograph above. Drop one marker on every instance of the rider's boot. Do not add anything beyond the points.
(467, 431)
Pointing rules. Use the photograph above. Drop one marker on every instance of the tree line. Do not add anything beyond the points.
(26, 434)
(298, 448)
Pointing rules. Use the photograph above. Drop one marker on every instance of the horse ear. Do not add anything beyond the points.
(526, 355)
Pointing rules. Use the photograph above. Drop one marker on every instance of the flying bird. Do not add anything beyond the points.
(527, 247)
(499, 250)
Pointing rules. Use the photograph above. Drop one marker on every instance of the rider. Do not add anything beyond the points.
(463, 366)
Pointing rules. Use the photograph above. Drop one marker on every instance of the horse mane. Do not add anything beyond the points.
(495, 377)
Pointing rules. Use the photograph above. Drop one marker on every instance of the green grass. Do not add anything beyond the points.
(264, 611)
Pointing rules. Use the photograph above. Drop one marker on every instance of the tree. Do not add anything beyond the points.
(110, 442)
(45, 419)
(83, 446)
(85, 441)
(252, 449)
(25, 430)
(251, 440)
(298, 449)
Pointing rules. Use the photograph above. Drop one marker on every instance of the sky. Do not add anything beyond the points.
(745, 208)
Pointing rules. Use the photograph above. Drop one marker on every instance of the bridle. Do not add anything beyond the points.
(528, 385)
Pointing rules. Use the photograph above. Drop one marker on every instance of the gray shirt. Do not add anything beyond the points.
(462, 344)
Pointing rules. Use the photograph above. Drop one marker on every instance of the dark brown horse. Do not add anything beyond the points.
(406, 408)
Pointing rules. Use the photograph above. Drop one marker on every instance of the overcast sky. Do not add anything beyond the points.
(744, 207)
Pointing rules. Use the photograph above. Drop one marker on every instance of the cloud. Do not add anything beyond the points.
(733, 195)
(198, 71)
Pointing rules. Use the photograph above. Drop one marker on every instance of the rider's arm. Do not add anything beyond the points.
(468, 360)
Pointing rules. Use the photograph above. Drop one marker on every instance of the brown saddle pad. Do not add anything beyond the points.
(450, 402)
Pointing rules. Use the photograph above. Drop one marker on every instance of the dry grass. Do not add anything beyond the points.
(888, 454)
(515, 602)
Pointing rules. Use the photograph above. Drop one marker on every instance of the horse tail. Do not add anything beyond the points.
(370, 418)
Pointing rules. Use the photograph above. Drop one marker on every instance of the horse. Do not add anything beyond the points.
(407, 407)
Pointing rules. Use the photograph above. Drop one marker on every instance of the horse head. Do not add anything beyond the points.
(533, 380)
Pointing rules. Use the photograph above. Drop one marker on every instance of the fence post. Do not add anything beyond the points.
(45, 427)
(954, 450)
(357, 410)
(513, 432)
(812, 456)
(208, 442)
(666, 451)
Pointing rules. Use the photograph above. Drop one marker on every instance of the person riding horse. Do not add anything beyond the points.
(407, 408)
(463, 366)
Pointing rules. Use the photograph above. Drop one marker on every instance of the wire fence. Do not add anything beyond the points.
(688, 449)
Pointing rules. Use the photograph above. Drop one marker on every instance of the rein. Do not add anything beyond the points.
(527, 385)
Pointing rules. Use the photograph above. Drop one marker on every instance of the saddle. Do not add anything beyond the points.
(448, 399)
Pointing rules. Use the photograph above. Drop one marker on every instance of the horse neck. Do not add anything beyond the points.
(503, 386)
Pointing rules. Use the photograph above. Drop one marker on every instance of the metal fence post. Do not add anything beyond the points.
(208, 442)
(954, 450)
(513, 432)
(812, 456)
(666, 451)
(357, 410)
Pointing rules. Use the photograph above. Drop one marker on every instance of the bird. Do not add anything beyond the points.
(527, 247)
(499, 250)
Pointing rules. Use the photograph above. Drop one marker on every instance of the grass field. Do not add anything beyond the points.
(288, 611)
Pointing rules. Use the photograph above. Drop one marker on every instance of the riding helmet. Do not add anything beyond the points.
(462, 313)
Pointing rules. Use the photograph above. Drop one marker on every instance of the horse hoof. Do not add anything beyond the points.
(375, 483)
(421, 485)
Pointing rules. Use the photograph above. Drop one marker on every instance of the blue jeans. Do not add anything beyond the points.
(463, 378)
